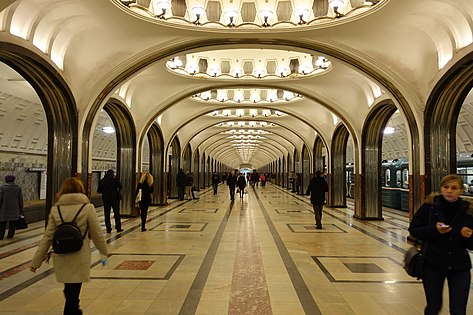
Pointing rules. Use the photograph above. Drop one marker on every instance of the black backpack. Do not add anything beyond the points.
(68, 237)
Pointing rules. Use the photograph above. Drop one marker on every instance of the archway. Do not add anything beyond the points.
(441, 115)
(336, 179)
(156, 147)
(60, 108)
(371, 160)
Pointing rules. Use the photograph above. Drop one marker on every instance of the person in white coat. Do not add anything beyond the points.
(72, 268)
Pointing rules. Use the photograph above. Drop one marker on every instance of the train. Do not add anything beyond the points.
(395, 180)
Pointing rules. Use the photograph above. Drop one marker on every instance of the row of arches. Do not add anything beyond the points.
(440, 116)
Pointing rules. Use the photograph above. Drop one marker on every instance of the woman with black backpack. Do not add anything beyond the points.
(71, 268)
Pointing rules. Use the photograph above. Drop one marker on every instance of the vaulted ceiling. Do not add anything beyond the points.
(374, 52)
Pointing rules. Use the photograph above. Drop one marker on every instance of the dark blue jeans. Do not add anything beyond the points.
(458, 289)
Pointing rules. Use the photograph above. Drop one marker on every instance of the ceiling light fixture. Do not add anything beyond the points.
(231, 14)
(162, 5)
(198, 12)
(303, 15)
(336, 5)
(266, 14)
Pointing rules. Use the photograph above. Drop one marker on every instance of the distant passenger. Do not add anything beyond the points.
(215, 182)
(317, 189)
(181, 184)
(110, 188)
(146, 186)
(241, 183)
(292, 181)
(72, 268)
(231, 182)
(263, 180)
(444, 223)
(11, 206)
(189, 184)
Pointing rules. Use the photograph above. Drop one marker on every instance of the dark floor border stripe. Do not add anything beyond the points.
(303, 293)
(44, 274)
(189, 307)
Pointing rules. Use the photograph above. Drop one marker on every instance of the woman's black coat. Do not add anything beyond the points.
(444, 251)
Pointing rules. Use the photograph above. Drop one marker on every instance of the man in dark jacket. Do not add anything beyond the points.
(11, 206)
(317, 189)
(110, 187)
(215, 182)
(231, 182)
(181, 184)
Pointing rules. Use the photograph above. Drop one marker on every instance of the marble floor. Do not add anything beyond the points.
(258, 255)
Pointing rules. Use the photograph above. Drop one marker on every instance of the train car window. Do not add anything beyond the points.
(387, 178)
(465, 170)
(398, 179)
(405, 178)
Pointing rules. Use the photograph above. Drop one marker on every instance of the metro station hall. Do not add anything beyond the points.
(216, 119)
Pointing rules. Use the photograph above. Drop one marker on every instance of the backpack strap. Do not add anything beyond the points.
(75, 217)
(60, 214)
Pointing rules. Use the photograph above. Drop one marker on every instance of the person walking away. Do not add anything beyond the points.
(317, 189)
(263, 180)
(297, 183)
(110, 187)
(72, 269)
(241, 183)
(189, 184)
(292, 181)
(444, 224)
(231, 182)
(181, 184)
(11, 206)
(215, 182)
(146, 186)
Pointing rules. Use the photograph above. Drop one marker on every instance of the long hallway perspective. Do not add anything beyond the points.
(258, 255)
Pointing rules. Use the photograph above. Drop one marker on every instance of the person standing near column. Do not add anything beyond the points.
(110, 187)
(181, 184)
(317, 189)
(215, 182)
(11, 206)
(146, 186)
(189, 184)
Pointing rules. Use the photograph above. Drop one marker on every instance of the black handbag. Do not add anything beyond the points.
(414, 261)
(21, 223)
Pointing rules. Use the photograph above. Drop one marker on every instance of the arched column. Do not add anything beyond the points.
(317, 156)
(61, 114)
(126, 151)
(306, 174)
(336, 177)
(371, 193)
(156, 147)
(441, 116)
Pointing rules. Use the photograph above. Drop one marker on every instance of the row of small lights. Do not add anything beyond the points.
(255, 97)
(192, 69)
(160, 7)
(241, 113)
(247, 131)
(242, 124)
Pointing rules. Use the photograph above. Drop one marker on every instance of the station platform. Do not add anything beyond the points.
(256, 255)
